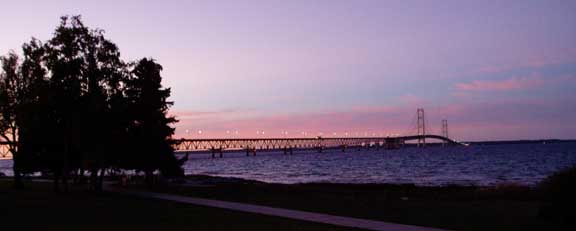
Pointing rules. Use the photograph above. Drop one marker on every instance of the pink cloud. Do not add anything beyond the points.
(516, 83)
(567, 78)
(566, 56)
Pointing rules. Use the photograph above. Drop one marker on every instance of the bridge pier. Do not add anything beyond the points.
(287, 150)
(392, 143)
(343, 147)
(250, 150)
(217, 150)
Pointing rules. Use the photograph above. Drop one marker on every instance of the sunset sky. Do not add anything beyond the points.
(494, 69)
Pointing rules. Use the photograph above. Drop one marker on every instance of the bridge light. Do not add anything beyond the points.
(199, 131)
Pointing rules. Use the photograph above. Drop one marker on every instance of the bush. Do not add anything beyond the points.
(559, 195)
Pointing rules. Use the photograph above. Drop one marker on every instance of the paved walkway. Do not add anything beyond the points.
(279, 212)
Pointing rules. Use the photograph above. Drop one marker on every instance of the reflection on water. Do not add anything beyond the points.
(478, 165)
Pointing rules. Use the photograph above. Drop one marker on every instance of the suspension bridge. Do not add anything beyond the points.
(288, 145)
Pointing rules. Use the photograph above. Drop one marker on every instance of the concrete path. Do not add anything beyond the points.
(279, 212)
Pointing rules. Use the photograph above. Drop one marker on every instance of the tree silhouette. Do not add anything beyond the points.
(150, 130)
(74, 105)
(10, 95)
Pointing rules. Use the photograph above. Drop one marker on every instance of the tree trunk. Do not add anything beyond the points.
(65, 180)
(56, 179)
(17, 174)
(79, 176)
(149, 177)
(94, 179)
(101, 179)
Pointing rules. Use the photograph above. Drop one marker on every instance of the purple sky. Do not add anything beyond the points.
(494, 69)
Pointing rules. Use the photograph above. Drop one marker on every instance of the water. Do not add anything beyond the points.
(474, 165)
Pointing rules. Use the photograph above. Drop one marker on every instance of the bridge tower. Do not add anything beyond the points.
(421, 127)
(445, 129)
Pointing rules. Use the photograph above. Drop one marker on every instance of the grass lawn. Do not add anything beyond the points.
(38, 207)
(459, 208)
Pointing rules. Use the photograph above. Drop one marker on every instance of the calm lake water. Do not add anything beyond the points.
(474, 165)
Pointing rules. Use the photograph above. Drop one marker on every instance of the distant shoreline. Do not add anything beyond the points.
(545, 141)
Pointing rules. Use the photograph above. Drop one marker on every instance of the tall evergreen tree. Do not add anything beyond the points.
(150, 130)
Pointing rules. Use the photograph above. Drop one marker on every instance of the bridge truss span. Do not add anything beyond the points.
(288, 144)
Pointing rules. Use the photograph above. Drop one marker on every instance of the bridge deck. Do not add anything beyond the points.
(294, 143)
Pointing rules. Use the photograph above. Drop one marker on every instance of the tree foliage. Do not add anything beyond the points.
(74, 106)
